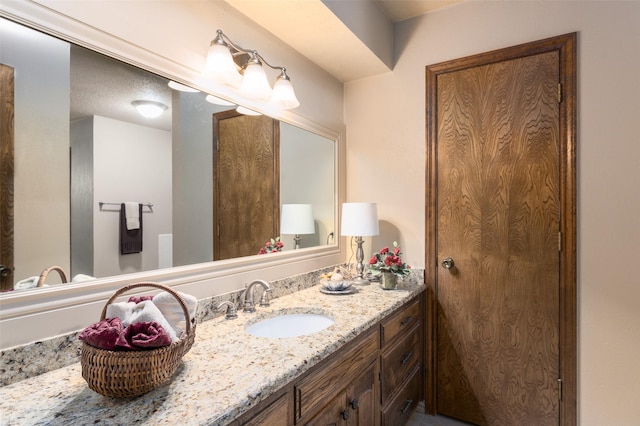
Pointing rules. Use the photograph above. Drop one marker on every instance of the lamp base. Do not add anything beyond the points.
(361, 281)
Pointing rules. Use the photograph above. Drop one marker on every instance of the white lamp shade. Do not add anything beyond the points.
(220, 66)
(149, 109)
(297, 219)
(283, 95)
(217, 101)
(254, 83)
(359, 219)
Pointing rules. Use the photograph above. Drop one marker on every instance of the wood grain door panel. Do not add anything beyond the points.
(246, 183)
(7, 97)
(501, 196)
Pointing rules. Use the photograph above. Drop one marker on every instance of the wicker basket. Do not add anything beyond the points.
(127, 374)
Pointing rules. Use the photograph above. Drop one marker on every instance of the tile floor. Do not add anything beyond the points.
(418, 418)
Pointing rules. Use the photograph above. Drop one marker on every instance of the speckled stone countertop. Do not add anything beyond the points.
(226, 372)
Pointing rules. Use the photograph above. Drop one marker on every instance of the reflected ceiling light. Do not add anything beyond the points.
(230, 64)
(149, 109)
(182, 87)
(217, 101)
(247, 111)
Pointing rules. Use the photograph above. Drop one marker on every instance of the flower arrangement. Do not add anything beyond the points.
(389, 261)
(274, 245)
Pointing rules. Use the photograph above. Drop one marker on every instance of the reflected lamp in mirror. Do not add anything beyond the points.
(297, 219)
(229, 64)
(359, 220)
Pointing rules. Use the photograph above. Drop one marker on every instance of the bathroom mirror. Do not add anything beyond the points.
(81, 149)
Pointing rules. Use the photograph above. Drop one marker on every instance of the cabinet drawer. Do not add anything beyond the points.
(400, 408)
(398, 361)
(276, 414)
(311, 393)
(400, 322)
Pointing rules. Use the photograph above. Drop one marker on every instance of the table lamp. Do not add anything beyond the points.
(297, 219)
(359, 220)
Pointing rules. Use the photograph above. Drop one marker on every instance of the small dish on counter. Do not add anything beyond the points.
(336, 285)
(350, 290)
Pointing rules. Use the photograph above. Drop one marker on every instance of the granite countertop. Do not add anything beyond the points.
(226, 373)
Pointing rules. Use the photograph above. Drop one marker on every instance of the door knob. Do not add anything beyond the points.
(4, 271)
(447, 263)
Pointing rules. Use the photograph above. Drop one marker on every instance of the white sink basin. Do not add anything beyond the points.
(289, 325)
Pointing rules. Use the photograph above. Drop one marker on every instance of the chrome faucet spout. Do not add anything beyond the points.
(249, 304)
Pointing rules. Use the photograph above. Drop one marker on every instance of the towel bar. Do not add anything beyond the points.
(102, 203)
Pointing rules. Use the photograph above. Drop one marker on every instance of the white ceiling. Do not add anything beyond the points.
(309, 27)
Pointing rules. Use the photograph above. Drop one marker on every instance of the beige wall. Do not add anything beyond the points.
(385, 118)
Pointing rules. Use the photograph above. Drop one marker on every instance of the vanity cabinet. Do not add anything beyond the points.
(375, 380)
(401, 363)
(342, 388)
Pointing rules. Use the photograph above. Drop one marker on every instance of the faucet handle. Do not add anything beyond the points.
(264, 300)
(231, 310)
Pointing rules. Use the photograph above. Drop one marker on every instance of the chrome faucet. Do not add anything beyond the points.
(249, 304)
(231, 309)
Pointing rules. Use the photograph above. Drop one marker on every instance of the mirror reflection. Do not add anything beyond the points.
(80, 149)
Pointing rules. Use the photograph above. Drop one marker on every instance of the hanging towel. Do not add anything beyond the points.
(132, 215)
(130, 239)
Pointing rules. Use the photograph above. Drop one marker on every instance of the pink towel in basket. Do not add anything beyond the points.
(143, 335)
(103, 334)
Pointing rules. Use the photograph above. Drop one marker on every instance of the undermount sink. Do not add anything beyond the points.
(289, 324)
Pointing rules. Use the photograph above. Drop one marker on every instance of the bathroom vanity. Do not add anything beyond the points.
(366, 368)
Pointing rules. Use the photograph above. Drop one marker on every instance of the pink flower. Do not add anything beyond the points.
(262, 251)
(373, 260)
(396, 251)
(384, 250)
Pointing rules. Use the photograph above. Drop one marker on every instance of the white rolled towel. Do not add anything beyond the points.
(147, 311)
(122, 310)
(172, 311)
(27, 283)
(82, 277)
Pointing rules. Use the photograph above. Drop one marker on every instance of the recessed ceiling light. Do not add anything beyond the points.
(149, 109)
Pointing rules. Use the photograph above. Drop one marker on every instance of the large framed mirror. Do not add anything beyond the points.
(81, 150)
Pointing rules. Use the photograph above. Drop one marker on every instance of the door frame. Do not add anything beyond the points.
(566, 47)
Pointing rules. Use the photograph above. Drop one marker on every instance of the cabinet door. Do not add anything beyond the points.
(335, 413)
(276, 414)
(361, 398)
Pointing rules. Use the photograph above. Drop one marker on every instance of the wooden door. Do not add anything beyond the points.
(496, 193)
(246, 196)
(6, 176)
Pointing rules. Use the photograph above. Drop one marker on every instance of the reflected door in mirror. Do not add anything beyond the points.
(6, 176)
(246, 183)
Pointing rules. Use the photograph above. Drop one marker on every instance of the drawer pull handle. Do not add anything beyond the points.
(406, 407)
(345, 415)
(407, 320)
(354, 404)
(406, 357)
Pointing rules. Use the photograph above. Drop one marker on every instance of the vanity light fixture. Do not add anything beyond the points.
(297, 219)
(149, 109)
(227, 63)
(218, 101)
(358, 220)
(246, 111)
(181, 87)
